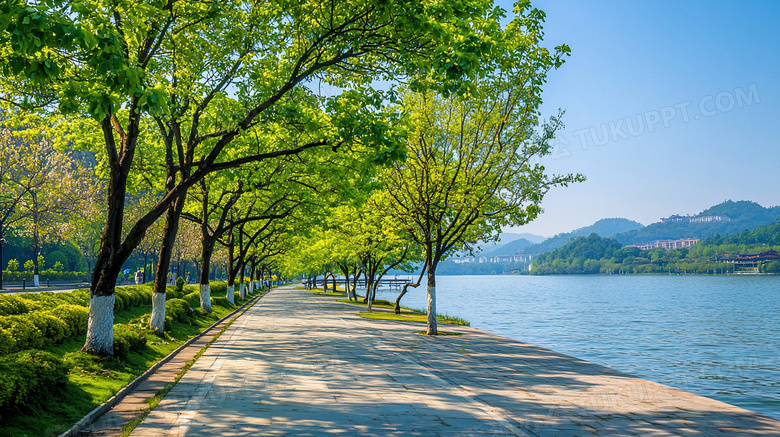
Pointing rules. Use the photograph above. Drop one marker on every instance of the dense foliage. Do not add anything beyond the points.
(743, 215)
(593, 254)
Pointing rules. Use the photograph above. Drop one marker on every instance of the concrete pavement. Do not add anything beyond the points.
(303, 364)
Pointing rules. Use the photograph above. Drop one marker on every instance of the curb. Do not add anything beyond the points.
(93, 415)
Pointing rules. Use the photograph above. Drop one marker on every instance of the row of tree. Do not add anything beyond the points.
(213, 113)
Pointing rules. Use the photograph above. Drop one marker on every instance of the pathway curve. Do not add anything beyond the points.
(302, 364)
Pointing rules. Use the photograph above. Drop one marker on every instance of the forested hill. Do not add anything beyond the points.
(743, 214)
(603, 228)
(594, 254)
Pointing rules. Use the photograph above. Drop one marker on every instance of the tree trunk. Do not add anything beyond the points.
(157, 322)
(252, 280)
(432, 328)
(146, 258)
(100, 328)
(403, 292)
(406, 288)
(35, 245)
(207, 250)
(345, 271)
(231, 294)
(358, 272)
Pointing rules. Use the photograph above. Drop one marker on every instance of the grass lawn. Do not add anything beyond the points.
(413, 317)
(330, 293)
(94, 380)
(379, 303)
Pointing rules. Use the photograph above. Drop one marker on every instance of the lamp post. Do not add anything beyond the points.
(2, 241)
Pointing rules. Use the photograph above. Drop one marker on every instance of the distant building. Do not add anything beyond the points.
(688, 219)
(667, 244)
(464, 260)
(752, 262)
(520, 257)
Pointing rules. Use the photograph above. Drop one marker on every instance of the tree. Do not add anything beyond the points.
(184, 80)
(40, 183)
(471, 165)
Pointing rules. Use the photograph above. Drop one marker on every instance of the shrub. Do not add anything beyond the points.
(58, 257)
(10, 305)
(180, 283)
(53, 329)
(26, 334)
(218, 287)
(221, 301)
(30, 378)
(172, 292)
(126, 340)
(75, 318)
(121, 300)
(177, 309)
(7, 342)
(193, 299)
(13, 265)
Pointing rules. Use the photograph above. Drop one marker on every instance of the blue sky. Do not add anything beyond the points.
(671, 107)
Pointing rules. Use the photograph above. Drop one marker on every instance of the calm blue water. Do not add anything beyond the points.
(717, 336)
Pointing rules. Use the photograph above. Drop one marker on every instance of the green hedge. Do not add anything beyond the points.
(29, 378)
(28, 302)
(23, 331)
(7, 342)
(127, 339)
(37, 320)
(44, 275)
(132, 296)
(75, 317)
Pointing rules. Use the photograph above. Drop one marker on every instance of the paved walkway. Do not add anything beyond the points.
(133, 405)
(300, 364)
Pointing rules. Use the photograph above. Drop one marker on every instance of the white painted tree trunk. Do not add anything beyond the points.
(205, 298)
(158, 313)
(242, 290)
(432, 328)
(231, 294)
(36, 281)
(100, 329)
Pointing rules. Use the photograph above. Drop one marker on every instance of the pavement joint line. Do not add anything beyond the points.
(94, 415)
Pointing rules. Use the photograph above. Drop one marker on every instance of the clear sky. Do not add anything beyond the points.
(671, 107)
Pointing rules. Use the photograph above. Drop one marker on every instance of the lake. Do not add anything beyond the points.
(716, 336)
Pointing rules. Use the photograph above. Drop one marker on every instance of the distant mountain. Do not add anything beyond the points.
(517, 241)
(742, 214)
(603, 228)
(533, 238)
(511, 248)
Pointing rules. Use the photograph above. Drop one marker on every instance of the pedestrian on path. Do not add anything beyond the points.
(139, 277)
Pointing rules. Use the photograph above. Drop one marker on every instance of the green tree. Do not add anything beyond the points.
(472, 160)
